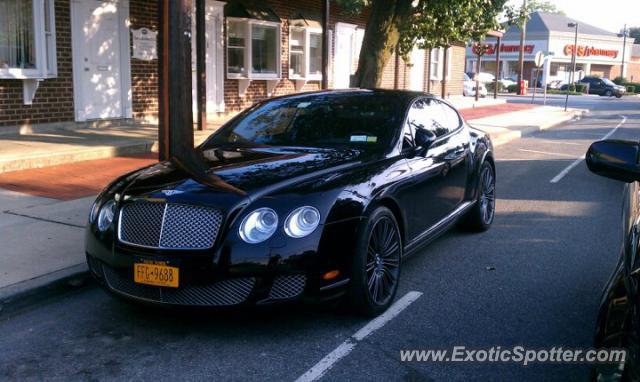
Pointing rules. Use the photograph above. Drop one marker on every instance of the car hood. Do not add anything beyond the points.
(235, 174)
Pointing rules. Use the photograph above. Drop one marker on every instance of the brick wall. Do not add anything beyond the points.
(53, 101)
(144, 74)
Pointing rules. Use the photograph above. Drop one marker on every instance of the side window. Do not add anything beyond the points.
(418, 118)
(432, 115)
(451, 120)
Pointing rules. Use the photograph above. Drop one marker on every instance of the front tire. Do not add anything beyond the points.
(481, 216)
(376, 264)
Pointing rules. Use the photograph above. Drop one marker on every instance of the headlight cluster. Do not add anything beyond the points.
(262, 223)
(106, 215)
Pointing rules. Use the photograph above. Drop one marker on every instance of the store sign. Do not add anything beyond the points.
(504, 48)
(587, 51)
(145, 45)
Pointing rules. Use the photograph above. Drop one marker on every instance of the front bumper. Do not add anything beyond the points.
(231, 275)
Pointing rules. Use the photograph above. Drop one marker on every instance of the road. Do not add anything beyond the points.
(534, 280)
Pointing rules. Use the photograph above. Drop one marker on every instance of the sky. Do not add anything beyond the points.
(610, 15)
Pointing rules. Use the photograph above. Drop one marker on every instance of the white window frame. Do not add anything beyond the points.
(44, 54)
(437, 76)
(248, 23)
(306, 48)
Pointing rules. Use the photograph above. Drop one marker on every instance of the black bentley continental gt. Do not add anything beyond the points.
(308, 196)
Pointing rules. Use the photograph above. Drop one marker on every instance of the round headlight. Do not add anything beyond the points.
(93, 214)
(105, 217)
(302, 221)
(259, 225)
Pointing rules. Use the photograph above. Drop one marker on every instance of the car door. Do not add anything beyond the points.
(597, 85)
(436, 174)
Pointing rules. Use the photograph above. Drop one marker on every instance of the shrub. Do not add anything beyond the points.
(491, 85)
(580, 88)
(631, 89)
(620, 80)
(512, 88)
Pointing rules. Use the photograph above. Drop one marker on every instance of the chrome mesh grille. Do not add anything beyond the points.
(222, 293)
(141, 223)
(288, 286)
(169, 226)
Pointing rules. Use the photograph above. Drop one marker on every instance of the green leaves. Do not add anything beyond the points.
(441, 23)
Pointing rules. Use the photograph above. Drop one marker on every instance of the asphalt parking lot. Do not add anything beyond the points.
(534, 279)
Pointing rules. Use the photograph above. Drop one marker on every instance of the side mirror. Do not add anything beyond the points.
(424, 139)
(615, 159)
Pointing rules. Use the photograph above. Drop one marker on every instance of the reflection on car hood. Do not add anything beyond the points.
(241, 172)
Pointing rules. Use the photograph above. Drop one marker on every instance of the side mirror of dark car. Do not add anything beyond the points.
(615, 159)
(424, 140)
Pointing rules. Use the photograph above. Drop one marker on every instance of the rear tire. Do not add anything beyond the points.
(481, 215)
(376, 264)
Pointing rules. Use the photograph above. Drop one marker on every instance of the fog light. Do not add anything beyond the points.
(331, 275)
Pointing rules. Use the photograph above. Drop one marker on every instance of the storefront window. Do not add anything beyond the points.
(437, 61)
(27, 39)
(264, 49)
(296, 50)
(17, 37)
(236, 47)
(253, 49)
(315, 54)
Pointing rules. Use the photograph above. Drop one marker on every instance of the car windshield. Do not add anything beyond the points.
(334, 120)
(608, 82)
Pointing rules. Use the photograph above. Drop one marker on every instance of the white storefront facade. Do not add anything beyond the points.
(598, 52)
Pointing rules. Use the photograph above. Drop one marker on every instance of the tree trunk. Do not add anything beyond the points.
(380, 40)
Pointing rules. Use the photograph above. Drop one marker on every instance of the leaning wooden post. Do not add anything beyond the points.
(175, 107)
(201, 69)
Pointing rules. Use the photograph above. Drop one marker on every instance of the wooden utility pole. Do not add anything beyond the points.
(201, 68)
(523, 27)
(325, 44)
(175, 133)
(444, 71)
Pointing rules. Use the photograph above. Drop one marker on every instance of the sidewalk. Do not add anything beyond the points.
(43, 210)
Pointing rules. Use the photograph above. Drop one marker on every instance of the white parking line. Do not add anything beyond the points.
(546, 153)
(322, 367)
(564, 172)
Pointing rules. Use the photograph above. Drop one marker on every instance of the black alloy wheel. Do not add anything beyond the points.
(376, 267)
(487, 195)
(481, 215)
(383, 260)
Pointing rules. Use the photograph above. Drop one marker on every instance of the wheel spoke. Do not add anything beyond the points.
(370, 266)
(393, 263)
(391, 250)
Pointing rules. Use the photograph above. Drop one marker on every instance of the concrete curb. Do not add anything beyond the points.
(46, 160)
(501, 138)
(29, 292)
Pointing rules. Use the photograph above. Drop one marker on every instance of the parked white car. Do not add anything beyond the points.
(507, 81)
(469, 89)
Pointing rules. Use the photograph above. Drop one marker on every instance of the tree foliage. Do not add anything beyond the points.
(403, 24)
(441, 23)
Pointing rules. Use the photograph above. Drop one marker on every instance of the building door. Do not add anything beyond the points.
(98, 60)
(214, 15)
(345, 50)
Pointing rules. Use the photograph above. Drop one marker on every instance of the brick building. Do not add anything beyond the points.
(82, 61)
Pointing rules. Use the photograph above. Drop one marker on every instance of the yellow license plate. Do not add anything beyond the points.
(156, 274)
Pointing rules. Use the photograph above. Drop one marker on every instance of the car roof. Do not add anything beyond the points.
(404, 96)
